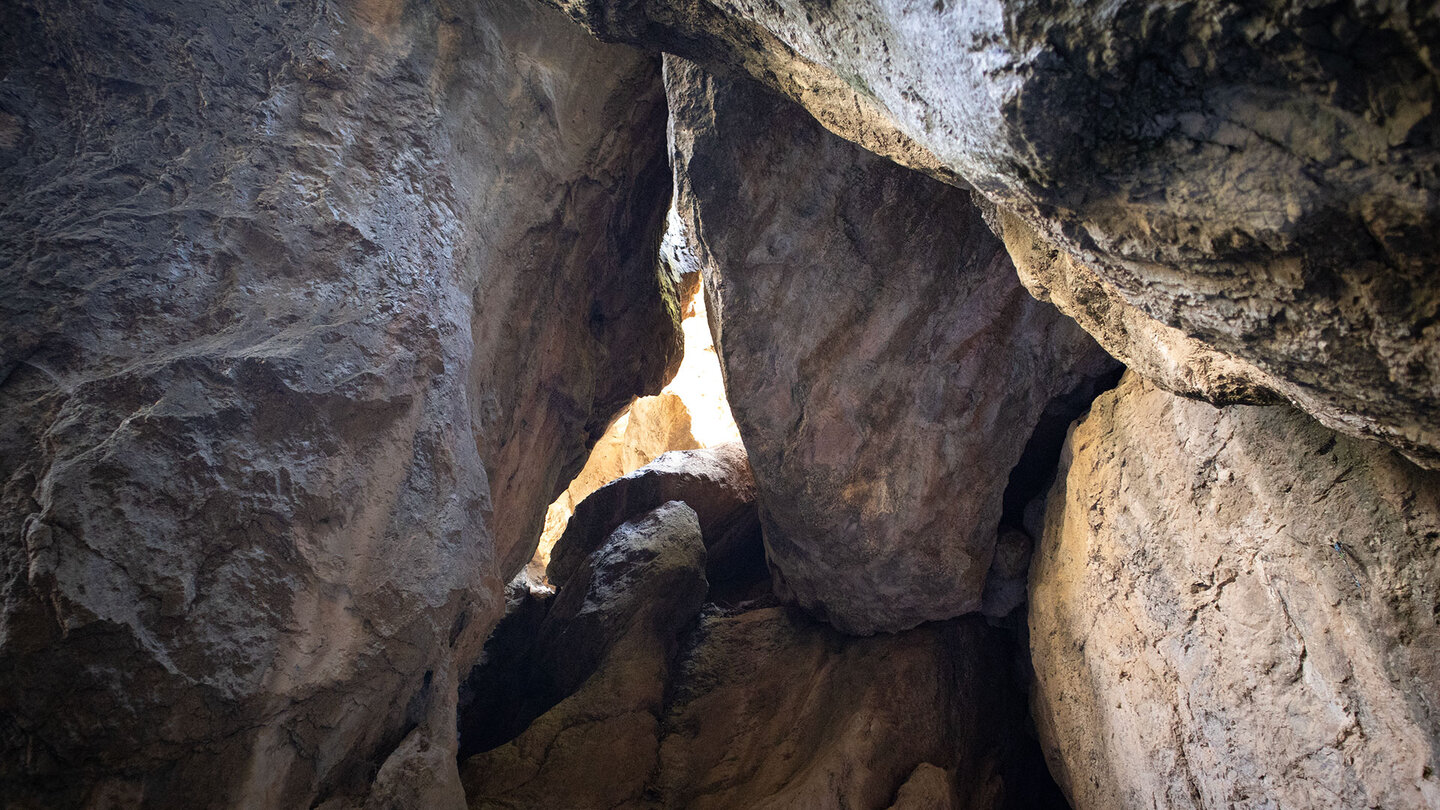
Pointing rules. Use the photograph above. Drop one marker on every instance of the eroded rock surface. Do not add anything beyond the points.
(603, 651)
(884, 365)
(651, 427)
(716, 482)
(1235, 608)
(754, 705)
(1260, 177)
(308, 310)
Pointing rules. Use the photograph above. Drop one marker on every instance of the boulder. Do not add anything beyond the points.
(1259, 177)
(715, 482)
(601, 657)
(759, 706)
(884, 365)
(650, 427)
(308, 311)
(1235, 607)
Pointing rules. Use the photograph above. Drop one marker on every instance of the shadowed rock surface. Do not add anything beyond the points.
(884, 365)
(601, 658)
(715, 482)
(1259, 176)
(1235, 608)
(590, 699)
(308, 310)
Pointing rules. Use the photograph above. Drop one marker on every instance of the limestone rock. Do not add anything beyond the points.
(884, 365)
(309, 309)
(768, 708)
(1260, 176)
(1164, 355)
(1235, 608)
(774, 710)
(604, 648)
(715, 482)
(651, 426)
(928, 788)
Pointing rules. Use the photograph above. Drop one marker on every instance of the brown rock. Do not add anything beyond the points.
(650, 427)
(928, 788)
(770, 709)
(715, 482)
(1235, 608)
(883, 363)
(605, 647)
(309, 310)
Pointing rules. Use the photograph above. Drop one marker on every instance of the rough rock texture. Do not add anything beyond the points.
(715, 482)
(774, 710)
(879, 354)
(650, 427)
(603, 654)
(1236, 608)
(757, 706)
(308, 310)
(1260, 176)
(1163, 354)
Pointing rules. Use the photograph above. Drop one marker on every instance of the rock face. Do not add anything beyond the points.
(1235, 608)
(609, 703)
(1162, 354)
(603, 653)
(715, 482)
(1259, 177)
(308, 311)
(651, 427)
(879, 354)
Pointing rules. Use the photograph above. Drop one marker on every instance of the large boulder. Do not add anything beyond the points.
(309, 309)
(1236, 608)
(1259, 176)
(612, 693)
(884, 365)
(715, 482)
(601, 659)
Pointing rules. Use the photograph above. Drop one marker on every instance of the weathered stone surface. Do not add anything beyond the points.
(763, 708)
(604, 652)
(883, 363)
(1259, 176)
(716, 482)
(1236, 608)
(651, 427)
(1163, 354)
(774, 710)
(308, 309)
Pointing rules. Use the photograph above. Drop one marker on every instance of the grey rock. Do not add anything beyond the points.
(307, 312)
(883, 363)
(1234, 607)
(1260, 176)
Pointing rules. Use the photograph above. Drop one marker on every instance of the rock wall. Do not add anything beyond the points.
(879, 354)
(308, 310)
(1259, 177)
(1236, 608)
(622, 690)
